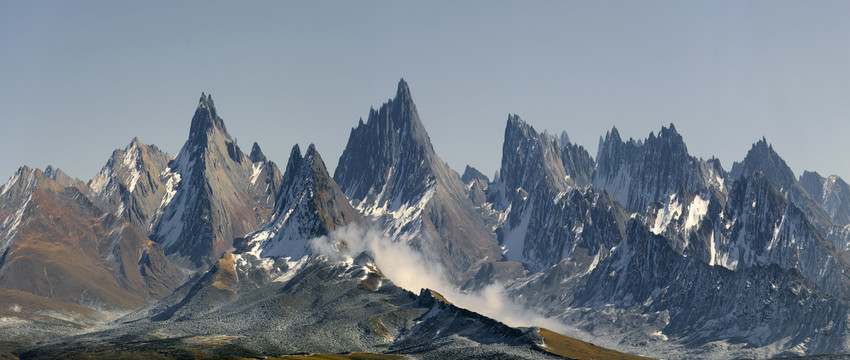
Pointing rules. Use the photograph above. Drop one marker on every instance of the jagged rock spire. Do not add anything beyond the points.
(205, 118)
(403, 91)
(832, 193)
(470, 173)
(215, 192)
(530, 158)
(256, 153)
(638, 173)
(389, 164)
(763, 158)
(309, 204)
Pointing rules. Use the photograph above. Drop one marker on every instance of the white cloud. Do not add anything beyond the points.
(412, 271)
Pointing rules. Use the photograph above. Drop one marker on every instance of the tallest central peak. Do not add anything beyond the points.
(206, 102)
(206, 117)
(403, 91)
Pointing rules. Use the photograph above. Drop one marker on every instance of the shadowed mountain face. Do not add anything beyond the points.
(736, 223)
(470, 173)
(531, 159)
(639, 173)
(763, 158)
(309, 205)
(476, 185)
(832, 193)
(760, 225)
(213, 192)
(758, 307)
(549, 214)
(698, 223)
(58, 245)
(63, 179)
(390, 172)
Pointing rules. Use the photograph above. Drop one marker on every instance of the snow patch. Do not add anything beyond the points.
(514, 238)
(291, 226)
(255, 172)
(593, 264)
(134, 178)
(12, 180)
(294, 267)
(670, 212)
(170, 186)
(560, 196)
(407, 212)
(15, 220)
(776, 230)
(404, 219)
(618, 186)
(130, 161)
(696, 211)
(9, 227)
(7, 321)
(374, 210)
(170, 228)
(101, 180)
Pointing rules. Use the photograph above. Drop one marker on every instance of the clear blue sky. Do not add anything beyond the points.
(81, 78)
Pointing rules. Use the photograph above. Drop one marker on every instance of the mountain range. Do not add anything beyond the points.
(215, 253)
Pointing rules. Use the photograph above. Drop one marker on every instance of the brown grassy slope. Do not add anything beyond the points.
(67, 250)
(576, 349)
(225, 277)
(21, 304)
(352, 356)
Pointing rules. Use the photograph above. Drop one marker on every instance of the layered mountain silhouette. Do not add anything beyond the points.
(217, 253)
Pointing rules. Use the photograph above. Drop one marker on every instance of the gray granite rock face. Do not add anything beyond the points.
(638, 173)
(214, 192)
(391, 173)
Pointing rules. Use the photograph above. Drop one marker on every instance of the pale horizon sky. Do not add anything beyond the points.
(80, 79)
